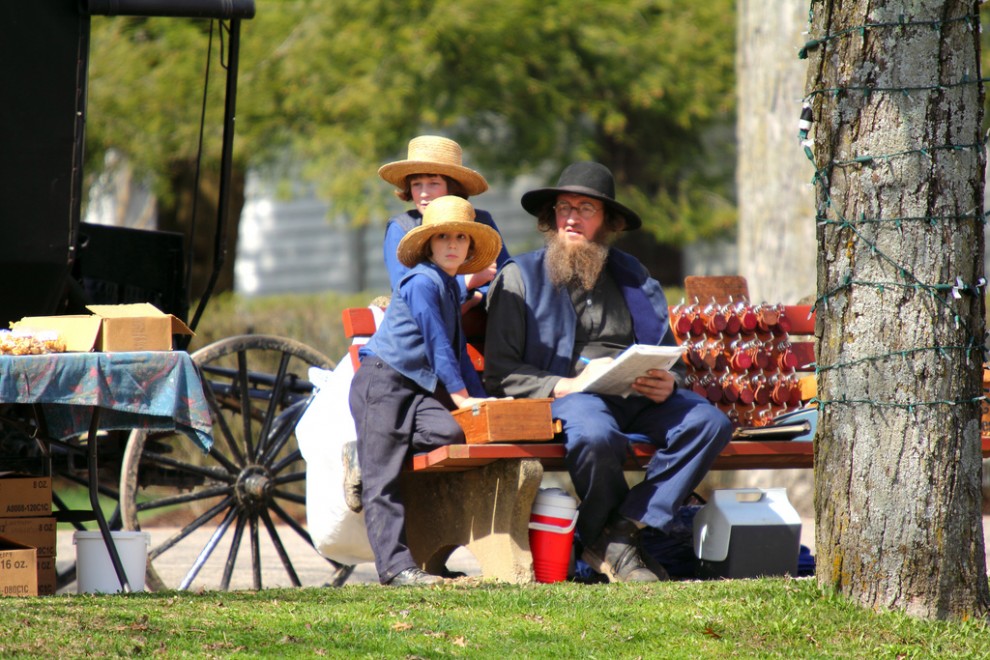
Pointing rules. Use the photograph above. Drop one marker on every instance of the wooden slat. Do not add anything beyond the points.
(738, 455)
(358, 322)
(805, 353)
(454, 458)
(715, 287)
(352, 350)
(477, 359)
(801, 322)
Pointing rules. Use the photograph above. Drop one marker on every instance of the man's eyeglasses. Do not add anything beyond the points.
(586, 210)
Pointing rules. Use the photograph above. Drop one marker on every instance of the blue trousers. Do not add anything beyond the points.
(393, 417)
(687, 430)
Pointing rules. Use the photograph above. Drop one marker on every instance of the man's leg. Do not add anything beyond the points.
(689, 434)
(596, 452)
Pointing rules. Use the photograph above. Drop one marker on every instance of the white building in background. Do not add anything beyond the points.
(291, 245)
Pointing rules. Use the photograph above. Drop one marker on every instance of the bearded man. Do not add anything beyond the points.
(556, 317)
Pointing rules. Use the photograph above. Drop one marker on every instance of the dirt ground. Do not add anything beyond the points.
(312, 569)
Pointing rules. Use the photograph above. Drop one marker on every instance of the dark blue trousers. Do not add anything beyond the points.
(393, 417)
(687, 430)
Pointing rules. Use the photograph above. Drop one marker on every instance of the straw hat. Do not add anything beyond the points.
(583, 178)
(430, 154)
(451, 214)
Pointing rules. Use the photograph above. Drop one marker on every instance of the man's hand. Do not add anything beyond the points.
(565, 386)
(657, 385)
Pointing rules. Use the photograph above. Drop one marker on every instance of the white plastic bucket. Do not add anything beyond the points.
(94, 570)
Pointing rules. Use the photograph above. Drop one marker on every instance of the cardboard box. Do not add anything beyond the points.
(511, 420)
(47, 577)
(18, 569)
(34, 532)
(136, 327)
(25, 496)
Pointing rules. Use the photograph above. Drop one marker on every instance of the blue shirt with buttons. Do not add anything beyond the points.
(421, 335)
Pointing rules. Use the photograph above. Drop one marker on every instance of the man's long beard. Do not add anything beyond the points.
(579, 263)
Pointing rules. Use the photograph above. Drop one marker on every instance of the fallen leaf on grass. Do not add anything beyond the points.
(712, 633)
(399, 626)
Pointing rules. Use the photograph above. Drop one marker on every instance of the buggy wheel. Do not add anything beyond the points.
(239, 503)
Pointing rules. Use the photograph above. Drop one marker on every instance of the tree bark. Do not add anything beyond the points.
(899, 196)
(175, 214)
(776, 200)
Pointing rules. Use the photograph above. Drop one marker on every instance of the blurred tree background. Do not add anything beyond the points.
(330, 91)
(333, 90)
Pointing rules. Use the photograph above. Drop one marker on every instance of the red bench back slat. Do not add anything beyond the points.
(359, 323)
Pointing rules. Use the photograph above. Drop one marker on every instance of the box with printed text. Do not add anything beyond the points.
(35, 532)
(18, 569)
(25, 496)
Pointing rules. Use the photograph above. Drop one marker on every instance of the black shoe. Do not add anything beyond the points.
(616, 553)
(651, 562)
(414, 577)
(352, 477)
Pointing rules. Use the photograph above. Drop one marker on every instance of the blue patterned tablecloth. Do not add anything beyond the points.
(155, 390)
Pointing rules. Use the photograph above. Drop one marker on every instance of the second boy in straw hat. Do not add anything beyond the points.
(414, 370)
(433, 169)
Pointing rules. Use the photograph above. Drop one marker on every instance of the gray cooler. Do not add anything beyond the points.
(747, 532)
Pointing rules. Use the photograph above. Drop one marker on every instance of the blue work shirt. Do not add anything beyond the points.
(399, 225)
(421, 335)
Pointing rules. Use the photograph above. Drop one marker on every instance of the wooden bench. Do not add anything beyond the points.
(480, 495)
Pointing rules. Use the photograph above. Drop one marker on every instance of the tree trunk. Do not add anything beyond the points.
(175, 214)
(776, 200)
(899, 191)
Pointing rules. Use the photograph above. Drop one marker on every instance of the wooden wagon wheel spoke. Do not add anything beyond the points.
(208, 549)
(221, 427)
(341, 571)
(186, 467)
(255, 553)
(283, 431)
(291, 522)
(276, 397)
(245, 402)
(164, 502)
(291, 497)
(280, 549)
(231, 561)
(183, 533)
(257, 388)
(289, 459)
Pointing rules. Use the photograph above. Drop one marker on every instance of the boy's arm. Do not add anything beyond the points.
(424, 301)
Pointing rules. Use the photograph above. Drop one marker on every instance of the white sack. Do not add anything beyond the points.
(338, 533)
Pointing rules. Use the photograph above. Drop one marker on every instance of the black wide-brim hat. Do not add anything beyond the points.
(583, 178)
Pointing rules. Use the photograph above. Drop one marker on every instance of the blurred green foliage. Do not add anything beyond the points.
(313, 319)
(335, 89)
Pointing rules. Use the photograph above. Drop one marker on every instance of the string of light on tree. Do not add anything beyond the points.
(945, 294)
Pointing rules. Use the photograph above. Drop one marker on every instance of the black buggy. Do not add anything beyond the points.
(234, 504)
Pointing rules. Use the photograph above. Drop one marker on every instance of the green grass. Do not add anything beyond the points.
(767, 618)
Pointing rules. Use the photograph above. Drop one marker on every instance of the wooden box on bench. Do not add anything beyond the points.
(508, 420)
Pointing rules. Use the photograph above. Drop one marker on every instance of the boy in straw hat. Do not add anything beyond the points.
(414, 370)
(433, 169)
